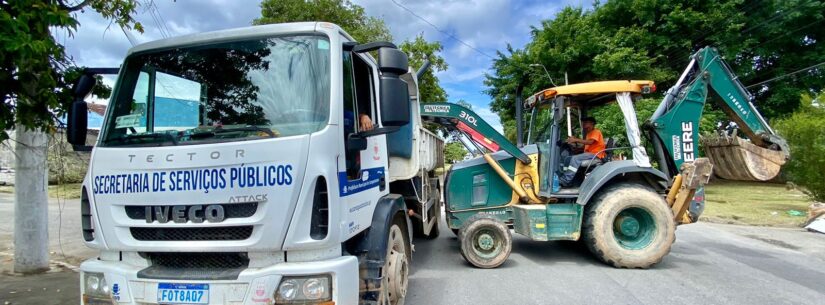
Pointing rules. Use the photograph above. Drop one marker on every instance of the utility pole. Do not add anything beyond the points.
(31, 203)
(545, 72)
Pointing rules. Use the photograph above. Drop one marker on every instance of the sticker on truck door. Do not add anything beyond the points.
(370, 178)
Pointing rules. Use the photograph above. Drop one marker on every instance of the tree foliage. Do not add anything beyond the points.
(363, 28)
(653, 39)
(35, 73)
(805, 132)
(418, 51)
(349, 16)
(454, 152)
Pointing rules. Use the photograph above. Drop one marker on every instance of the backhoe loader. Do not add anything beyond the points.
(625, 210)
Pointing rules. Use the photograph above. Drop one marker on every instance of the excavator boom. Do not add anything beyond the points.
(675, 124)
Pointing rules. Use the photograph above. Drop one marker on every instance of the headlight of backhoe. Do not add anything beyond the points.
(96, 290)
(314, 289)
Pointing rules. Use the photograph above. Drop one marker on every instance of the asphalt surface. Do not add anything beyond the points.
(708, 264)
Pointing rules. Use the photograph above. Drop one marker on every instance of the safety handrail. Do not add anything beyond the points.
(601, 151)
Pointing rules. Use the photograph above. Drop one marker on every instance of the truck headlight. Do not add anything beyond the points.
(315, 289)
(96, 290)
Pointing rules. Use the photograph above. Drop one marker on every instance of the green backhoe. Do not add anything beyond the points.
(623, 208)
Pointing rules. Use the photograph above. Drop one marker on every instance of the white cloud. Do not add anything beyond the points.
(486, 25)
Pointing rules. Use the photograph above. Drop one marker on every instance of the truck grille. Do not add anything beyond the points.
(231, 210)
(194, 266)
(198, 260)
(191, 234)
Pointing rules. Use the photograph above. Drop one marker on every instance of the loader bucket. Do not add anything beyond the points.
(735, 158)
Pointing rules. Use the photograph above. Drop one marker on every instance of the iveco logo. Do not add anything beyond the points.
(184, 213)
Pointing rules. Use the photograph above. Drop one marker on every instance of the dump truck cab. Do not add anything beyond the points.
(235, 167)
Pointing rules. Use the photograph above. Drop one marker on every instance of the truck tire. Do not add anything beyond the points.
(396, 265)
(485, 241)
(629, 226)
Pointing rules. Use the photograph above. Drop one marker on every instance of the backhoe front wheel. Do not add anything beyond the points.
(485, 241)
(629, 226)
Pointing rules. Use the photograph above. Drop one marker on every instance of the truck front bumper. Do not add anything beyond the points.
(253, 286)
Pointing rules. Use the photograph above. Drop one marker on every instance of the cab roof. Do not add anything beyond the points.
(592, 91)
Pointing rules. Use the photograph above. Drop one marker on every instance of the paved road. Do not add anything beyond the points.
(709, 264)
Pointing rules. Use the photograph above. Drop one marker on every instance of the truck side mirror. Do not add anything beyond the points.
(395, 95)
(77, 120)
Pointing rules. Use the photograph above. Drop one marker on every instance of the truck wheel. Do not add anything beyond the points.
(485, 241)
(629, 226)
(396, 266)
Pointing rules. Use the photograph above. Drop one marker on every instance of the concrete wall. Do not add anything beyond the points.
(65, 165)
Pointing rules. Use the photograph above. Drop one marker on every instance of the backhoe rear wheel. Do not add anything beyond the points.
(485, 241)
(629, 226)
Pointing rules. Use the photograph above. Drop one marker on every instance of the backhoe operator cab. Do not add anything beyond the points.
(617, 205)
(557, 113)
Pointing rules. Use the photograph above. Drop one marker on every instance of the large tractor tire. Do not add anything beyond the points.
(629, 226)
(485, 241)
(396, 268)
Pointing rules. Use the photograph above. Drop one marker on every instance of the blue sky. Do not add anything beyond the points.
(487, 25)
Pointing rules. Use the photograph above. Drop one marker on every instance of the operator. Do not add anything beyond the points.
(593, 146)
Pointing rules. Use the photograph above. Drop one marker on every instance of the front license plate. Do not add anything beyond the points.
(179, 293)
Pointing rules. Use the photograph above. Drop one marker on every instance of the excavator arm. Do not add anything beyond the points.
(484, 139)
(675, 124)
(457, 117)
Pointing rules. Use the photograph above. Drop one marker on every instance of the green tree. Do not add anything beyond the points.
(464, 103)
(418, 51)
(653, 39)
(454, 152)
(35, 73)
(805, 132)
(349, 16)
(36, 78)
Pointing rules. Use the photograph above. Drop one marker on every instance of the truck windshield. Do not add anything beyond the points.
(220, 92)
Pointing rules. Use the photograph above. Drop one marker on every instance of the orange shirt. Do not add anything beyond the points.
(598, 143)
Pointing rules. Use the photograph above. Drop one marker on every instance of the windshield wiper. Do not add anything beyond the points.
(165, 136)
(246, 128)
(219, 130)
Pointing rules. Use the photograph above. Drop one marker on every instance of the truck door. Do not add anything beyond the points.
(362, 174)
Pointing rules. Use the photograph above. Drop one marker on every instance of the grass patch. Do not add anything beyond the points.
(754, 203)
(64, 191)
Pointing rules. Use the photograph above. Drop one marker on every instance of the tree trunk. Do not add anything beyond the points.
(31, 223)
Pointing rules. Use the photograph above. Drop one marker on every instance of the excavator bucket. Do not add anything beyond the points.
(735, 158)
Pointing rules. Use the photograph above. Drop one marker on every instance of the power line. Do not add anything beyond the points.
(704, 35)
(162, 20)
(787, 74)
(442, 31)
(772, 19)
(154, 13)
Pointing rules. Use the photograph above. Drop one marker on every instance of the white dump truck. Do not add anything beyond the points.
(275, 164)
